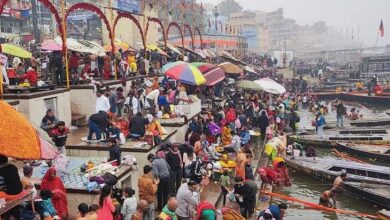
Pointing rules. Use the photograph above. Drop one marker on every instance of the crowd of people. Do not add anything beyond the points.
(219, 146)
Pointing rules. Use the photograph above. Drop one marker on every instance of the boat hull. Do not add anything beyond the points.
(355, 97)
(324, 174)
(356, 151)
(381, 199)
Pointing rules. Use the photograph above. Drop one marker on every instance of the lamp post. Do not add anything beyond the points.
(216, 14)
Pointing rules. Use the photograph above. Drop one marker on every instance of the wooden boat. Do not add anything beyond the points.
(370, 123)
(378, 152)
(332, 142)
(382, 100)
(376, 193)
(329, 168)
(384, 214)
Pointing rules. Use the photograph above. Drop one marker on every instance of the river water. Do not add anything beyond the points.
(309, 189)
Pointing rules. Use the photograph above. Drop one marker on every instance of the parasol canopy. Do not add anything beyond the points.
(230, 68)
(184, 72)
(214, 76)
(51, 45)
(204, 67)
(23, 141)
(246, 84)
(270, 86)
(15, 50)
(250, 69)
(209, 53)
(118, 44)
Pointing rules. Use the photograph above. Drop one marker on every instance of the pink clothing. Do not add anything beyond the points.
(106, 212)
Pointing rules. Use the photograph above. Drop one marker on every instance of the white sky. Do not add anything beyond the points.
(341, 14)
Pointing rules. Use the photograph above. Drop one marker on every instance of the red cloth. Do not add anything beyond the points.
(11, 73)
(55, 185)
(32, 77)
(74, 61)
(231, 115)
(202, 206)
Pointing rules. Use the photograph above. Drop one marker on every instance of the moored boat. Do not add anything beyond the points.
(328, 168)
(332, 140)
(377, 193)
(384, 214)
(379, 152)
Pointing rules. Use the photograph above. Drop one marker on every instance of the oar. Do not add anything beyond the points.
(320, 207)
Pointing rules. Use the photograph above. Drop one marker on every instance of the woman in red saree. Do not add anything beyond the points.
(54, 183)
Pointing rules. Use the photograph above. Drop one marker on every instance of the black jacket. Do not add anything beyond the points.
(137, 125)
(100, 118)
(115, 154)
(174, 161)
(263, 122)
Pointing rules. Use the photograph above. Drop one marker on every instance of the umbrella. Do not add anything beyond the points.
(152, 47)
(184, 72)
(270, 86)
(51, 45)
(230, 68)
(204, 67)
(246, 84)
(250, 69)
(22, 141)
(118, 44)
(15, 50)
(214, 76)
(201, 53)
(210, 53)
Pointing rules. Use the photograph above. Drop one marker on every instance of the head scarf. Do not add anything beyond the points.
(54, 184)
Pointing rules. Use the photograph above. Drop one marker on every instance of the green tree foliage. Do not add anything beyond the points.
(226, 7)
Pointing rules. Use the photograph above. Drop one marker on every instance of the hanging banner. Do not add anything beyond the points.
(131, 6)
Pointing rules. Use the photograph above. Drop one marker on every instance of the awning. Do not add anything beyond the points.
(214, 76)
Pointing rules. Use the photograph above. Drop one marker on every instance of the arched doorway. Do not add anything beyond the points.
(158, 21)
(131, 17)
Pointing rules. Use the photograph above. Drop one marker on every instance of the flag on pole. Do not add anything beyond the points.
(381, 29)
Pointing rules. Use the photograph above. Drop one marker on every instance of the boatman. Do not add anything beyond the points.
(326, 196)
(338, 182)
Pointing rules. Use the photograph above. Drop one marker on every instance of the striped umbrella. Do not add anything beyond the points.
(184, 72)
(204, 67)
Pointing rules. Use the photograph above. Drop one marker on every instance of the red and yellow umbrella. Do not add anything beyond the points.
(184, 72)
(204, 67)
(19, 139)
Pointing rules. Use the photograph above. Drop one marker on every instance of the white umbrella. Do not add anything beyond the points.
(250, 69)
(270, 86)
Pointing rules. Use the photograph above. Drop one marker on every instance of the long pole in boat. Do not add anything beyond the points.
(64, 43)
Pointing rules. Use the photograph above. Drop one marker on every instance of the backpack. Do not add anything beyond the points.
(202, 206)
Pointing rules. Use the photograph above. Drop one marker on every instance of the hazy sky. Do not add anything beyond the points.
(341, 14)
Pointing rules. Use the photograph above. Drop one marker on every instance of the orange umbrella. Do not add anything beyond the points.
(20, 139)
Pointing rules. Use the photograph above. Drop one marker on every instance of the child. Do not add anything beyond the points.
(83, 211)
(225, 184)
(130, 204)
(59, 135)
(47, 204)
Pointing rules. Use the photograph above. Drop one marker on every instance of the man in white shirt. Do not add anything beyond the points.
(102, 102)
(152, 98)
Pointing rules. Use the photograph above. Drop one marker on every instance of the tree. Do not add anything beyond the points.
(226, 7)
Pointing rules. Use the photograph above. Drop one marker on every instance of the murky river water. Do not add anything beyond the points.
(309, 189)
